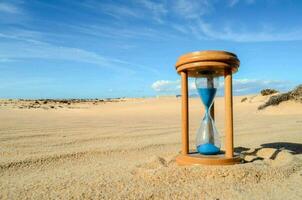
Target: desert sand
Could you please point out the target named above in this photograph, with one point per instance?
(127, 149)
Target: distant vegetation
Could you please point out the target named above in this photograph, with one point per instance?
(244, 99)
(54, 103)
(295, 95)
(268, 92)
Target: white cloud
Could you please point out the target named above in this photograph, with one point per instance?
(240, 86)
(192, 85)
(166, 86)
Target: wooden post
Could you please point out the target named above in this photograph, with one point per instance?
(185, 114)
(229, 148)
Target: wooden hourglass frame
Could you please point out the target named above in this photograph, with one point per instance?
(221, 63)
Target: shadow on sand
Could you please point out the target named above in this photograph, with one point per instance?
(293, 148)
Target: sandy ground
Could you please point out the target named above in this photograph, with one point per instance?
(126, 150)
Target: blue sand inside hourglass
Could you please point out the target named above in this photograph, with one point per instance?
(208, 149)
(207, 96)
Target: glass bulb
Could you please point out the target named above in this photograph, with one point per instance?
(207, 136)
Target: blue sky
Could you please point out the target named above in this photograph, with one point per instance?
(97, 49)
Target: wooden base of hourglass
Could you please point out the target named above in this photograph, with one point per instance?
(198, 159)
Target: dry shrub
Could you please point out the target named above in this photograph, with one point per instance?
(268, 91)
(295, 95)
(244, 99)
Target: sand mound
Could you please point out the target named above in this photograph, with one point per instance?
(154, 163)
(259, 99)
(295, 95)
(206, 180)
(267, 153)
(263, 165)
(275, 156)
(270, 156)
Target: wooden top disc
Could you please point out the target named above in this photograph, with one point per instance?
(200, 61)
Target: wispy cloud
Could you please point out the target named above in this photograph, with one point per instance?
(193, 18)
(240, 86)
(194, 12)
(158, 10)
(29, 46)
(255, 85)
(192, 9)
(31, 83)
(118, 11)
(13, 12)
(32, 48)
(233, 3)
(9, 8)
(21, 35)
(228, 33)
(139, 9)
(119, 32)
(6, 60)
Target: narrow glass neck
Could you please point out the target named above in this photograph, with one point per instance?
(208, 109)
(210, 82)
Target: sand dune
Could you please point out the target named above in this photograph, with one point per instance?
(126, 150)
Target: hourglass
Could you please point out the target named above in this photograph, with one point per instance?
(206, 67)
